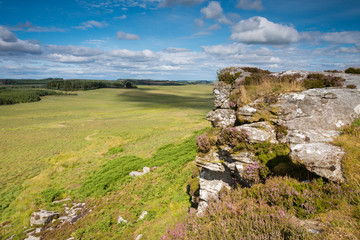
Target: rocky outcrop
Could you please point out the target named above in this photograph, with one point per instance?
(224, 115)
(305, 122)
(42, 217)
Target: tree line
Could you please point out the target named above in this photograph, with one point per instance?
(76, 85)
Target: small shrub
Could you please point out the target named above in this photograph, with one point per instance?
(49, 195)
(255, 70)
(256, 173)
(203, 143)
(115, 150)
(233, 137)
(351, 86)
(280, 131)
(318, 80)
(228, 77)
(353, 70)
(233, 217)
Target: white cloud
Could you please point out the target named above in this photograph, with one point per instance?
(175, 50)
(214, 27)
(10, 44)
(345, 37)
(137, 56)
(77, 51)
(127, 36)
(215, 11)
(120, 17)
(258, 30)
(29, 27)
(250, 5)
(167, 3)
(199, 22)
(91, 24)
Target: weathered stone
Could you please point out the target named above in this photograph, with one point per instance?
(42, 217)
(222, 92)
(120, 220)
(313, 118)
(222, 117)
(137, 174)
(143, 215)
(246, 110)
(259, 132)
(139, 237)
(321, 158)
(210, 185)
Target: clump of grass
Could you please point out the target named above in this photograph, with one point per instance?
(351, 86)
(303, 199)
(318, 80)
(255, 70)
(233, 217)
(51, 194)
(353, 70)
(227, 76)
(265, 85)
(115, 150)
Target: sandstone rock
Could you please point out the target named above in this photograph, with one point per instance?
(323, 159)
(313, 118)
(120, 220)
(259, 132)
(219, 169)
(42, 217)
(222, 117)
(143, 215)
(137, 174)
(246, 110)
(139, 237)
(222, 92)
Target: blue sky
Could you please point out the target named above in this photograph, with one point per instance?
(174, 39)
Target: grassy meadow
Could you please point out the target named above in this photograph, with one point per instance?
(60, 142)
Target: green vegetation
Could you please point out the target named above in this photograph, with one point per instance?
(149, 82)
(12, 96)
(318, 80)
(76, 85)
(353, 70)
(60, 143)
(271, 209)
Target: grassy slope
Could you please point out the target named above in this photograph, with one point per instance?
(57, 142)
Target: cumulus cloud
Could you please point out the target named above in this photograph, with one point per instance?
(127, 36)
(78, 51)
(258, 30)
(9, 43)
(91, 24)
(138, 56)
(215, 11)
(29, 27)
(120, 17)
(175, 50)
(167, 3)
(250, 5)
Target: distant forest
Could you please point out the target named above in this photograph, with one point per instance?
(75, 85)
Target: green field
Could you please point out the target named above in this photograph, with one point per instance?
(58, 142)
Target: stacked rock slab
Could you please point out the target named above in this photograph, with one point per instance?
(313, 119)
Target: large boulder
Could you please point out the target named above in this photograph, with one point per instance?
(222, 92)
(313, 119)
(222, 117)
(42, 217)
